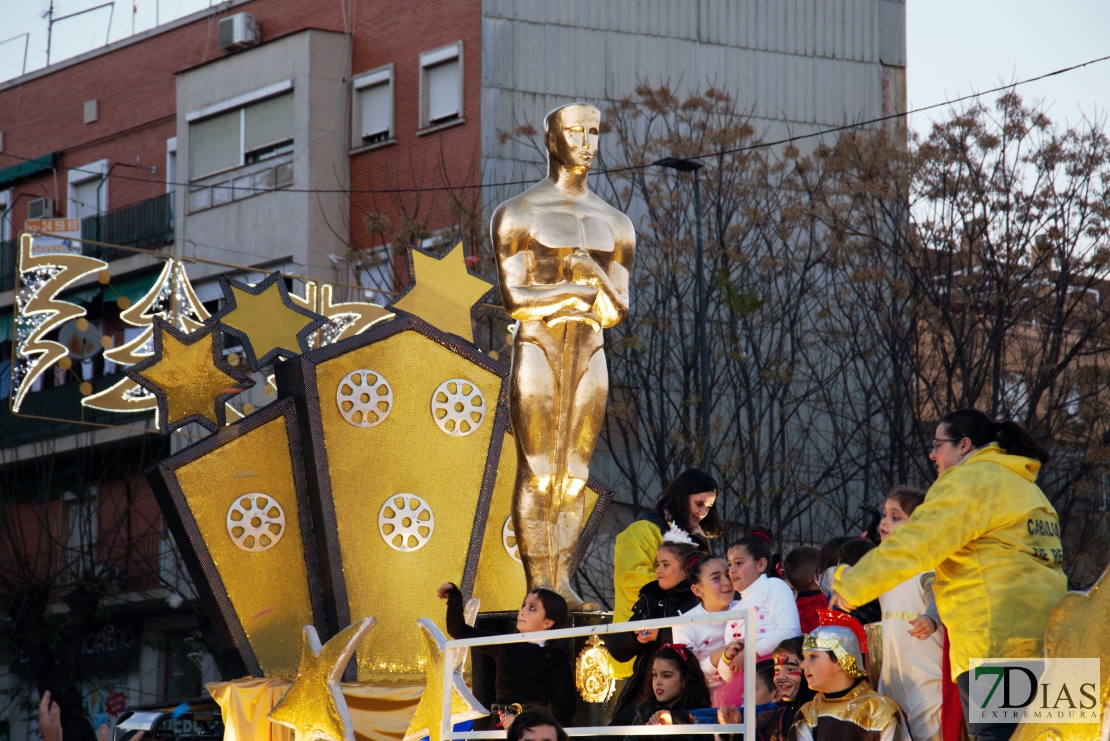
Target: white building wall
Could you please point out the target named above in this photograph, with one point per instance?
(798, 66)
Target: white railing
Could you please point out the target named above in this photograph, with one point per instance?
(747, 728)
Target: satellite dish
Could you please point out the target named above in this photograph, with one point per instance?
(80, 344)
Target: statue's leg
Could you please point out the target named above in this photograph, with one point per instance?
(589, 414)
(531, 405)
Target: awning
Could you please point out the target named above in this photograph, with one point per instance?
(5, 325)
(28, 169)
(134, 289)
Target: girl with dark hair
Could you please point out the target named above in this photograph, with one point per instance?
(677, 686)
(749, 560)
(668, 596)
(532, 675)
(684, 508)
(708, 577)
(993, 538)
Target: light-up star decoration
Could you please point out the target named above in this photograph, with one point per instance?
(429, 713)
(189, 376)
(267, 321)
(442, 291)
(314, 706)
(41, 278)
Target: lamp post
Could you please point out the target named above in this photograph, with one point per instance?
(692, 165)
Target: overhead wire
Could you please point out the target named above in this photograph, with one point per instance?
(609, 171)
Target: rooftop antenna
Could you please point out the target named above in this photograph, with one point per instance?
(51, 20)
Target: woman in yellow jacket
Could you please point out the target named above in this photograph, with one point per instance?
(994, 540)
(686, 504)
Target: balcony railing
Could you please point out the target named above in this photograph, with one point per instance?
(63, 405)
(145, 225)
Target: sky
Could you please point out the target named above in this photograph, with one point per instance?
(955, 47)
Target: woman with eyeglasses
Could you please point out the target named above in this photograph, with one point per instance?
(994, 540)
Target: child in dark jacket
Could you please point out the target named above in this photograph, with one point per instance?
(668, 596)
(528, 674)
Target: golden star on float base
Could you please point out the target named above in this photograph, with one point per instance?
(442, 291)
(429, 713)
(314, 706)
(189, 376)
(266, 320)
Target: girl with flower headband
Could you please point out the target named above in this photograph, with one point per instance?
(749, 560)
(668, 596)
(677, 686)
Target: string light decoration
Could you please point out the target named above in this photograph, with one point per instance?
(172, 299)
(38, 312)
(345, 319)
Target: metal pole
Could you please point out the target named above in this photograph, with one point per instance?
(703, 344)
(445, 725)
(749, 676)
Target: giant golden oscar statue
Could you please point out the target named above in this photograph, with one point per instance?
(563, 257)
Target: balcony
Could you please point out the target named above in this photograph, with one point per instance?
(63, 405)
(146, 225)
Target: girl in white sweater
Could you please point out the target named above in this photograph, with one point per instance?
(749, 560)
(708, 577)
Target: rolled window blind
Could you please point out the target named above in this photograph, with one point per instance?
(268, 122)
(215, 144)
(377, 109)
(444, 91)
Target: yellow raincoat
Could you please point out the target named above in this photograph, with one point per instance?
(633, 567)
(994, 540)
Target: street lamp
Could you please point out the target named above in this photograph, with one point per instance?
(692, 165)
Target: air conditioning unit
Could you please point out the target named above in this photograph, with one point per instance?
(238, 31)
(40, 208)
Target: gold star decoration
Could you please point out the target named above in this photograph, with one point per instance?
(189, 376)
(314, 706)
(429, 713)
(443, 291)
(267, 321)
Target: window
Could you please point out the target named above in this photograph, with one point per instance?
(246, 129)
(373, 107)
(171, 164)
(441, 95)
(87, 190)
(5, 215)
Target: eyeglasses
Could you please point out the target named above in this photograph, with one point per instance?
(938, 441)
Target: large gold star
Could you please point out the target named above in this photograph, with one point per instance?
(189, 376)
(429, 713)
(442, 291)
(314, 706)
(266, 320)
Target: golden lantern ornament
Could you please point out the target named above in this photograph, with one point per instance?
(593, 675)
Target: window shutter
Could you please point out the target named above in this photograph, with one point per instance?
(444, 91)
(215, 144)
(268, 122)
(85, 196)
(376, 104)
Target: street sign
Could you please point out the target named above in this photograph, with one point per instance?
(54, 236)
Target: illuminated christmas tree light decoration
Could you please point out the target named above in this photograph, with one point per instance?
(40, 279)
(171, 298)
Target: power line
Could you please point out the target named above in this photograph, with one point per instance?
(627, 168)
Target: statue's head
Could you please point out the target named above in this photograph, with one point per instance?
(570, 133)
